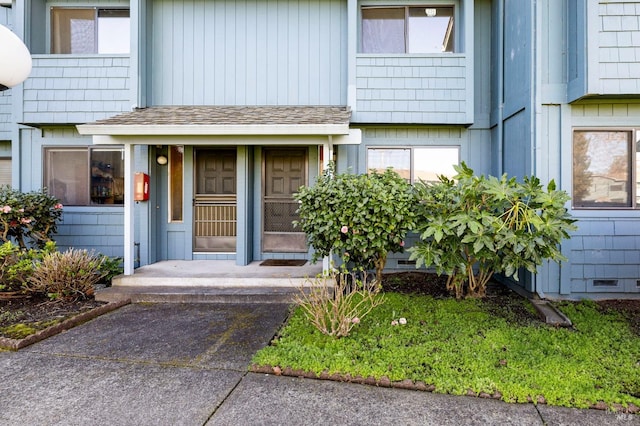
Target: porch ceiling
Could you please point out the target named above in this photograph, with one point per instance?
(224, 121)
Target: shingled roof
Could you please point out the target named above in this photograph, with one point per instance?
(228, 120)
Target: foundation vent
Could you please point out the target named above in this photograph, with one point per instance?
(405, 262)
(605, 283)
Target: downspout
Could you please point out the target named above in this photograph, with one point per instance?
(500, 87)
(536, 117)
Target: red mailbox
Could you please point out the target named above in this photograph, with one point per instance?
(141, 187)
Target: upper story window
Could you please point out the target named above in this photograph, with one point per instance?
(85, 176)
(405, 29)
(89, 30)
(605, 164)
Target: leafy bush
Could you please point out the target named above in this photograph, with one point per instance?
(492, 224)
(335, 309)
(16, 266)
(110, 267)
(65, 276)
(28, 217)
(357, 217)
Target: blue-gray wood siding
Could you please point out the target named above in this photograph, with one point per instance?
(248, 52)
(76, 89)
(97, 228)
(5, 97)
(412, 89)
(606, 39)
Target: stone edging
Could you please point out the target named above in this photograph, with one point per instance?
(409, 384)
(15, 344)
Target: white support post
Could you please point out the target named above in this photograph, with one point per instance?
(129, 252)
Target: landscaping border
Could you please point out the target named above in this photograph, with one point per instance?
(409, 384)
(16, 344)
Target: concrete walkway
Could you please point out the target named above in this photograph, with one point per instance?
(186, 364)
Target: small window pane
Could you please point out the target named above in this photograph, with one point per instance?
(67, 175)
(176, 161)
(383, 30)
(107, 176)
(430, 30)
(379, 159)
(431, 162)
(113, 31)
(601, 169)
(73, 30)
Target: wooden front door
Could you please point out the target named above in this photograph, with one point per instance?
(215, 214)
(285, 170)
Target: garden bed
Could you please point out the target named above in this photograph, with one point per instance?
(26, 320)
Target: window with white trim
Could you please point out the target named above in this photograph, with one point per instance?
(90, 30)
(82, 176)
(605, 164)
(405, 29)
(415, 163)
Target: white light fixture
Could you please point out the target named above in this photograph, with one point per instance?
(15, 59)
(162, 159)
(430, 12)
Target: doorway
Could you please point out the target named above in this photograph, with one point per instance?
(284, 171)
(215, 209)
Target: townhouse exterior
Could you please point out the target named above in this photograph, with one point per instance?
(228, 106)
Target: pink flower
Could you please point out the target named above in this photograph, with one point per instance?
(6, 209)
(57, 206)
(25, 221)
(355, 320)
(394, 322)
(401, 243)
(344, 229)
(21, 210)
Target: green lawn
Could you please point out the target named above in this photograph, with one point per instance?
(459, 346)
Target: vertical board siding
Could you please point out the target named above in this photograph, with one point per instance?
(249, 52)
(408, 89)
(618, 62)
(5, 97)
(72, 89)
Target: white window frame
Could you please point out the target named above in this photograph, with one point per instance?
(412, 156)
(97, 10)
(372, 4)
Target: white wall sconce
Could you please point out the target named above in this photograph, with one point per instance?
(162, 159)
(15, 59)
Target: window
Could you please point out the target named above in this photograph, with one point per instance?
(604, 168)
(89, 30)
(407, 29)
(415, 163)
(5, 171)
(85, 176)
(176, 182)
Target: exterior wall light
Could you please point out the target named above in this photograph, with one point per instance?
(162, 159)
(15, 59)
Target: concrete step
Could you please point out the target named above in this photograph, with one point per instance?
(198, 294)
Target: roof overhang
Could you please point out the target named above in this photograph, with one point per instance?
(224, 121)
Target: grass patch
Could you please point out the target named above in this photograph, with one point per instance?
(459, 346)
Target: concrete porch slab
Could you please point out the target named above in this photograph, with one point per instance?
(211, 281)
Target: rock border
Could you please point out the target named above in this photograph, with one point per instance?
(16, 344)
(409, 384)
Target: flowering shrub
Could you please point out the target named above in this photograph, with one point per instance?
(360, 218)
(28, 218)
(474, 226)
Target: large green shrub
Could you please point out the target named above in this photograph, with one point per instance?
(28, 218)
(473, 226)
(357, 217)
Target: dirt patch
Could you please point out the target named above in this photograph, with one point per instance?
(630, 309)
(19, 315)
